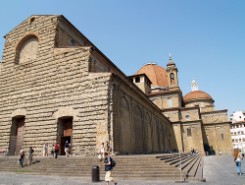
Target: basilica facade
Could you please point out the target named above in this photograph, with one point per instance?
(57, 86)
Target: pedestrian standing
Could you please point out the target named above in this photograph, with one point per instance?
(108, 169)
(108, 146)
(30, 153)
(22, 158)
(52, 151)
(56, 150)
(45, 150)
(102, 151)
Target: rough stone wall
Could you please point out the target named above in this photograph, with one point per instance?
(178, 136)
(218, 139)
(195, 139)
(19, 84)
(199, 103)
(44, 89)
(207, 109)
(173, 115)
(190, 114)
(214, 117)
(166, 101)
(217, 132)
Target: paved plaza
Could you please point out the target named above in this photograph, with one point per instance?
(218, 170)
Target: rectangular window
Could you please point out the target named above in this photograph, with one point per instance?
(170, 102)
(188, 132)
(137, 79)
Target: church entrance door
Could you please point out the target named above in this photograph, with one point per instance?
(64, 133)
(16, 135)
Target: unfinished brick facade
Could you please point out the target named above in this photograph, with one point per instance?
(57, 86)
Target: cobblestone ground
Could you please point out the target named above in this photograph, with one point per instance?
(218, 170)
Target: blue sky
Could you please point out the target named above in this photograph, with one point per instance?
(206, 38)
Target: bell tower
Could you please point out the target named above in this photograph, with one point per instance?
(172, 71)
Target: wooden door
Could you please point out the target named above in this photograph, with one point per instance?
(20, 134)
(16, 136)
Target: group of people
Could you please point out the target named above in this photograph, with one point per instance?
(53, 150)
(104, 155)
(47, 151)
(23, 157)
(193, 151)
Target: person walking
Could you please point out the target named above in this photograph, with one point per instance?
(237, 159)
(108, 169)
(45, 150)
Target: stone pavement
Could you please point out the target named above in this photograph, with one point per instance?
(218, 170)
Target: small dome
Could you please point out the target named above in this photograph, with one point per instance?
(157, 74)
(198, 95)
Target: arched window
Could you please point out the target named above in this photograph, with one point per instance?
(172, 78)
(27, 49)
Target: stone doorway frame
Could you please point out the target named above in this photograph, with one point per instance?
(16, 135)
(64, 132)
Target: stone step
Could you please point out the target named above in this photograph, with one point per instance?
(128, 167)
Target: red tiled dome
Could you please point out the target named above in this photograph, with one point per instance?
(197, 96)
(157, 74)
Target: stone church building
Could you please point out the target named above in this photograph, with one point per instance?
(57, 86)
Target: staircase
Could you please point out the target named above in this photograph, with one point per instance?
(189, 165)
(137, 167)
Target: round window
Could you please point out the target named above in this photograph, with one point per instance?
(187, 116)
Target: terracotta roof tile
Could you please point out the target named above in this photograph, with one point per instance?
(157, 74)
(197, 96)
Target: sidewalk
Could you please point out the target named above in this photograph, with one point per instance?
(218, 170)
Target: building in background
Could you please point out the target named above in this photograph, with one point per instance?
(238, 130)
(57, 86)
(237, 116)
(196, 122)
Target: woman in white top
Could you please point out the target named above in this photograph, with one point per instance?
(102, 150)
